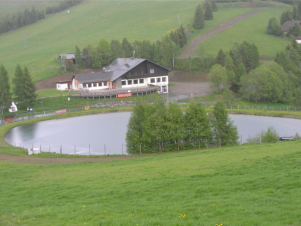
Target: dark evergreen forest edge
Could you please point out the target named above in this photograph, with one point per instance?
(19, 19)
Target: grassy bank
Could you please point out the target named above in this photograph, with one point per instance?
(245, 185)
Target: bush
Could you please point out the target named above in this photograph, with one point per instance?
(269, 136)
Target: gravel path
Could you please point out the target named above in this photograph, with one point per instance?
(198, 40)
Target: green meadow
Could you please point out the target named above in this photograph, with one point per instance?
(90, 21)
(252, 30)
(242, 185)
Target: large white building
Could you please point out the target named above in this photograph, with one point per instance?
(124, 73)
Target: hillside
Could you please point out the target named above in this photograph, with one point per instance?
(252, 30)
(92, 20)
(243, 185)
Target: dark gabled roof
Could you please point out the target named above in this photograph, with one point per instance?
(61, 82)
(94, 77)
(120, 66)
(290, 23)
(116, 69)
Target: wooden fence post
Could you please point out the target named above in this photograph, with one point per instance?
(89, 149)
(105, 150)
(49, 150)
(61, 150)
(75, 150)
(220, 142)
(122, 148)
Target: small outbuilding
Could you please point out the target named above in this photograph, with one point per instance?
(63, 85)
(289, 24)
(69, 57)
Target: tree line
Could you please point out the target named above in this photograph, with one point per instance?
(16, 20)
(65, 4)
(24, 88)
(239, 71)
(160, 51)
(160, 128)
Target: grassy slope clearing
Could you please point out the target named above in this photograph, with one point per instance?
(93, 20)
(246, 185)
(252, 30)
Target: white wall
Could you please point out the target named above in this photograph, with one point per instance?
(97, 87)
(63, 86)
(146, 82)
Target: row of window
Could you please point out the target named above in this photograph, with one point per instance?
(95, 84)
(141, 81)
(151, 71)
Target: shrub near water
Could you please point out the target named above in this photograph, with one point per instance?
(269, 136)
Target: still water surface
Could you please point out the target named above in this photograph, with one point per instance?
(109, 129)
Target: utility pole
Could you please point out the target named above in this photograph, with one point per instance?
(25, 41)
(179, 16)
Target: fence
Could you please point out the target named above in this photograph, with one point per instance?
(66, 149)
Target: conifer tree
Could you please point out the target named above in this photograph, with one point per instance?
(78, 56)
(208, 11)
(18, 84)
(274, 27)
(286, 16)
(29, 89)
(127, 48)
(295, 13)
(221, 58)
(213, 6)
(5, 95)
(182, 36)
(199, 20)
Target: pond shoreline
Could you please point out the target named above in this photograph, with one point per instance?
(16, 150)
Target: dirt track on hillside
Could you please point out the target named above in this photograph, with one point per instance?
(198, 40)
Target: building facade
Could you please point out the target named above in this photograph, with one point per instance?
(124, 73)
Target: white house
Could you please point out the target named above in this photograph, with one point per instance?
(124, 73)
(63, 85)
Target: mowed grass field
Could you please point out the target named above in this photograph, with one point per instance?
(252, 30)
(243, 185)
(90, 21)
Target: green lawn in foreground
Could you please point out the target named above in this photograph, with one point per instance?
(252, 30)
(243, 185)
(90, 21)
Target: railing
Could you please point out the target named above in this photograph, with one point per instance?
(114, 92)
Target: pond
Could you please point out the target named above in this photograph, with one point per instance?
(105, 133)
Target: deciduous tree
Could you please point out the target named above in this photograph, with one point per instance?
(217, 77)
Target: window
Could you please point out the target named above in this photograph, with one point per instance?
(158, 79)
(86, 85)
(89, 84)
(100, 84)
(152, 80)
(152, 71)
(163, 79)
(141, 81)
(105, 84)
(123, 82)
(136, 81)
(129, 82)
(94, 84)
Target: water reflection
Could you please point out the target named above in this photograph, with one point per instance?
(105, 133)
